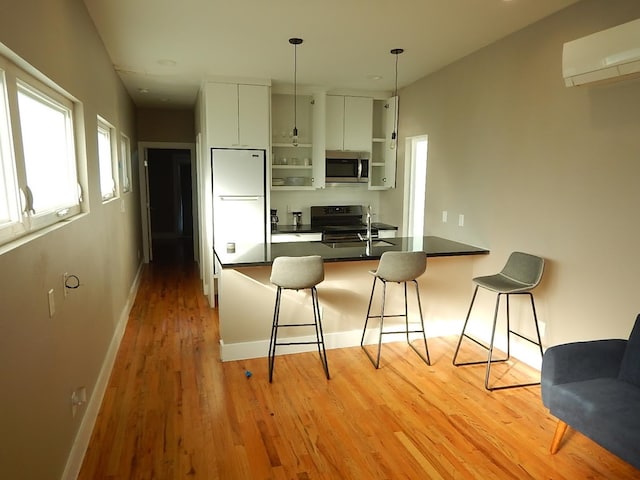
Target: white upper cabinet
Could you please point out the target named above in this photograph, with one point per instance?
(348, 123)
(253, 112)
(319, 142)
(237, 115)
(382, 167)
(334, 133)
(357, 123)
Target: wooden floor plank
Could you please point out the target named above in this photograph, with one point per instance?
(173, 410)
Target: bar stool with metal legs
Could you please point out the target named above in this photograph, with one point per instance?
(297, 273)
(399, 267)
(521, 274)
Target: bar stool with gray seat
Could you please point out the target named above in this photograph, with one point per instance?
(398, 267)
(521, 274)
(297, 273)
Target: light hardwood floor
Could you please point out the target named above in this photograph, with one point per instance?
(172, 410)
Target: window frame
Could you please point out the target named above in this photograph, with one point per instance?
(11, 225)
(19, 78)
(42, 218)
(125, 163)
(104, 126)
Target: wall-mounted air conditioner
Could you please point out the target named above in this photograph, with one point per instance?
(604, 55)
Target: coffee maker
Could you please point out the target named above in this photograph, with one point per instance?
(274, 219)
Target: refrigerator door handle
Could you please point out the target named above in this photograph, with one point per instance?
(240, 198)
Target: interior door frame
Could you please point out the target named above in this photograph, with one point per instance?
(143, 148)
(409, 181)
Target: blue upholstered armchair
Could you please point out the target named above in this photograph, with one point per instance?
(594, 387)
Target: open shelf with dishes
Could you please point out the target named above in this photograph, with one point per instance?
(291, 165)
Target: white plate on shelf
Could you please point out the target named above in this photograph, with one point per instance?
(294, 181)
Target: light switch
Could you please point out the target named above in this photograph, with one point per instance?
(461, 220)
(444, 216)
(52, 304)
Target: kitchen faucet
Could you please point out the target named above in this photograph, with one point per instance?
(368, 237)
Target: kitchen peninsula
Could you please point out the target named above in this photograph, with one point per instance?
(246, 296)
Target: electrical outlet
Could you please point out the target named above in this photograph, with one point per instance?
(78, 399)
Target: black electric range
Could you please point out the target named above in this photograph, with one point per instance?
(340, 223)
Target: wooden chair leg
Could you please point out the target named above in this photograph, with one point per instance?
(557, 437)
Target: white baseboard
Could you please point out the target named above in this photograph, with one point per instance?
(260, 348)
(81, 442)
(351, 338)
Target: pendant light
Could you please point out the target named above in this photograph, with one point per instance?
(295, 42)
(394, 134)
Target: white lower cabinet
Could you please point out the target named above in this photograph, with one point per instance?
(386, 233)
(295, 237)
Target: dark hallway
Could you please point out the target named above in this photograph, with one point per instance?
(170, 205)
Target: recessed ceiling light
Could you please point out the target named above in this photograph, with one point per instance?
(167, 62)
(143, 90)
(374, 77)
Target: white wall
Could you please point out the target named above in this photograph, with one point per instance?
(538, 167)
(42, 359)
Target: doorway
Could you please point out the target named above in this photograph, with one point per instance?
(169, 208)
(416, 182)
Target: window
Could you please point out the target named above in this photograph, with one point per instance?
(38, 166)
(106, 160)
(125, 162)
(48, 150)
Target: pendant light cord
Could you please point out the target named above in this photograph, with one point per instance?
(395, 92)
(394, 135)
(395, 104)
(295, 87)
(295, 42)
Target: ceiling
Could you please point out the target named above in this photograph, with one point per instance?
(164, 49)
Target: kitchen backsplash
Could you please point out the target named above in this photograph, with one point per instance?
(285, 201)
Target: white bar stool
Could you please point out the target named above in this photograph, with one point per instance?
(297, 273)
(399, 267)
(521, 274)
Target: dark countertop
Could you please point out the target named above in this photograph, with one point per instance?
(308, 228)
(247, 255)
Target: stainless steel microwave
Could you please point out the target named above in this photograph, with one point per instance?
(346, 167)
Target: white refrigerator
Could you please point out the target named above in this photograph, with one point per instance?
(239, 204)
